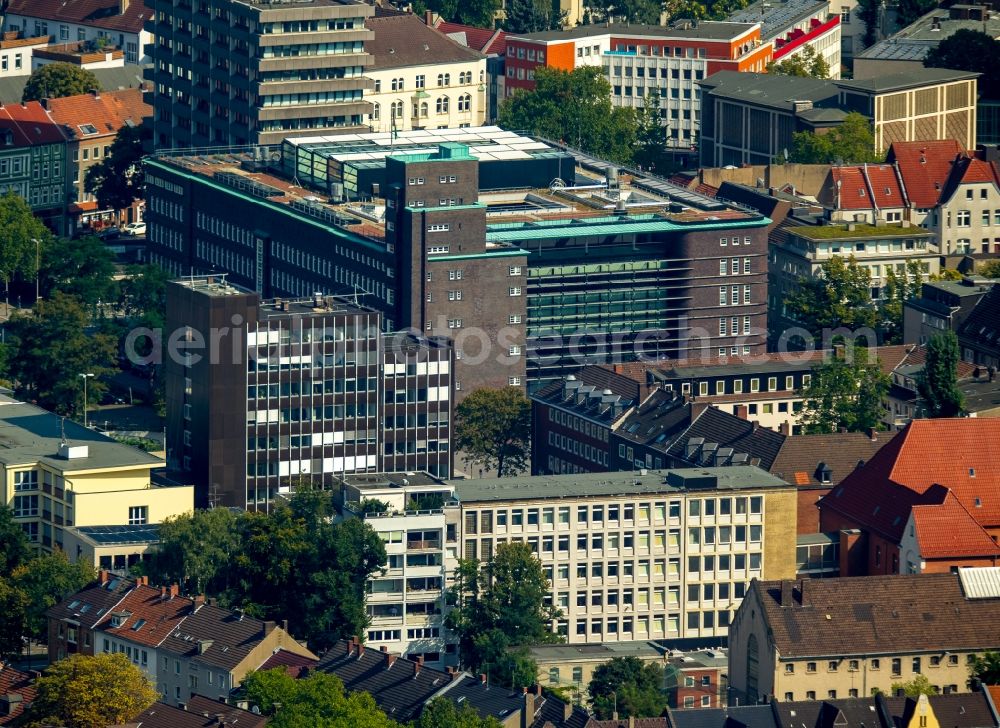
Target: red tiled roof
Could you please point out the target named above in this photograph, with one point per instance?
(15, 682)
(152, 616)
(483, 40)
(96, 13)
(917, 467)
(884, 185)
(994, 691)
(30, 124)
(949, 530)
(867, 186)
(924, 167)
(853, 191)
(108, 111)
(403, 40)
(897, 355)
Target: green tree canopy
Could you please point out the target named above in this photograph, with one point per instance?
(630, 11)
(46, 580)
(499, 606)
(86, 691)
(969, 50)
(83, 269)
(899, 288)
(55, 80)
(20, 228)
(443, 713)
(573, 107)
(651, 137)
(986, 668)
(629, 686)
(142, 295)
(479, 13)
(990, 269)
(850, 143)
(317, 700)
(919, 685)
(807, 64)
(845, 392)
(839, 297)
(938, 382)
(532, 16)
(14, 546)
(118, 179)
(51, 348)
(493, 426)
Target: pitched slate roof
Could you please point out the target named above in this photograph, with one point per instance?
(948, 530)
(626, 391)
(728, 431)
(404, 40)
(484, 40)
(488, 700)
(955, 710)
(95, 13)
(30, 124)
(91, 604)
(107, 111)
(201, 713)
(749, 716)
(877, 615)
(919, 466)
(800, 456)
(828, 713)
(924, 167)
(656, 422)
(14, 682)
(295, 665)
(982, 325)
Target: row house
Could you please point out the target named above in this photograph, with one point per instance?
(33, 161)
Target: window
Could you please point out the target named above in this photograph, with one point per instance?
(138, 515)
(897, 666)
(722, 295)
(963, 218)
(810, 667)
(515, 290)
(790, 669)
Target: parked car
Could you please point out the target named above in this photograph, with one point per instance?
(135, 228)
(109, 233)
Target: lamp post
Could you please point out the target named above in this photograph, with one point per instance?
(85, 377)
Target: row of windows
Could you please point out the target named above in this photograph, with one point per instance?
(584, 450)
(725, 268)
(733, 298)
(732, 328)
(737, 385)
(579, 424)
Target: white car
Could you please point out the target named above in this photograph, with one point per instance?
(135, 228)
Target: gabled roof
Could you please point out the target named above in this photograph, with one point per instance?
(955, 710)
(91, 604)
(657, 420)
(147, 615)
(400, 687)
(748, 716)
(982, 326)
(917, 467)
(585, 392)
(800, 456)
(294, 664)
(968, 170)
(924, 167)
(948, 530)
(14, 682)
(849, 713)
(404, 40)
(29, 124)
(106, 112)
(484, 40)
(761, 444)
(865, 615)
(201, 713)
(94, 13)
(897, 356)
(853, 190)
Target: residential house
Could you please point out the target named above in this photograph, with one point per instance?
(923, 503)
(750, 118)
(903, 365)
(697, 679)
(112, 548)
(491, 43)
(979, 334)
(86, 54)
(183, 645)
(423, 79)
(32, 161)
(119, 22)
(654, 554)
(55, 473)
(200, 712)
(846, 637)
(17, 51)
(91, 122)
(942, 306)
(16, 693)
(571, 667)
(406, 602)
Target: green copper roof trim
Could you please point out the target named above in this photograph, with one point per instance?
(551, 229)
(201, 179)
(473, 206)
(471, 256)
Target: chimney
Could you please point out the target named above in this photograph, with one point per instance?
(429, 18)
(103, 576)
(528, 713)
(482, 678)
(198, 600)
(418, 663)
(873, 434)
(122, 6)
(349, 644)
(741, 411)
(803, 592)
(390, 660)
(786, 593)
(631, 721)
(164, 592)
(269, 626)
(383, 649)
(785, 428)
(44, 103)
(175, 589)
(143, 580)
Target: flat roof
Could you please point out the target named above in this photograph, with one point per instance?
(768, 89)
(837, 232)
(119, 535)
(777, 17)
(905, 79)
(958, 288)
(615, 225)
(914, 41)
(30, 434)
(597, 652)
(583, 485)
(681, 30)
(381, 481)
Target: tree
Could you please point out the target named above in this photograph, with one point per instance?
(55, 80)
(808, 63)
(630, 11)
(83, 269)
(118, 179)
(919, 685)
(20, 228)
(49, 351)
(574, 107)
(899, 288)
(850, 143)
(532, 16)
(845, 392)
(840, 296)
(14, 546)
(990, 269)
(317, 700)
(909, 11)
(938, 382)
(628, 686)
(86, 691)
(947, 274)
(479, 13)
(195, 550)
(969, 50)
(142, 295)
(13, 619)
(45, 581)
(870, 13)
(494, 427)
(443, 713)
(986, 668)
(499, 606)
(651, 136)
